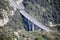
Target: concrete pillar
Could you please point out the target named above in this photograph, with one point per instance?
(32, 27)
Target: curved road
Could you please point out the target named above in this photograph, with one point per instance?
(25, 14)
(5, 20)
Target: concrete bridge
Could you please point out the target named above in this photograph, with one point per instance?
(28, 17)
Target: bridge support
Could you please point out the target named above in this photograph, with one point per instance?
(32, 27)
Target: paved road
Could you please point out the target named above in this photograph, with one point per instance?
(13, 3)
(25, 14)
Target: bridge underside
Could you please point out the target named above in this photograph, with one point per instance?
(29, 26)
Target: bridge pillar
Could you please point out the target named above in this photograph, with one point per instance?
(32, 27)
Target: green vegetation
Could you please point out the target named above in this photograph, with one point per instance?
(5, 33)
(3, 4)
(38, 9)
(38, 36)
